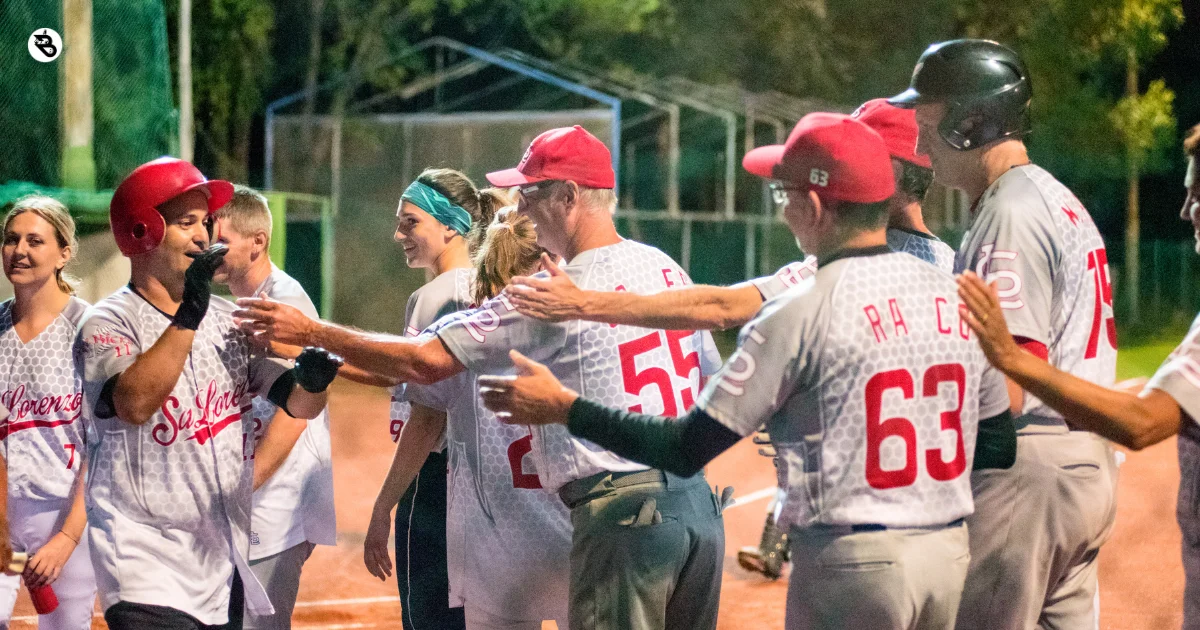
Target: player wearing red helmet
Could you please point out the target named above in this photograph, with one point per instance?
(167, 385)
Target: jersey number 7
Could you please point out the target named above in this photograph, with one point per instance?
(903, 428)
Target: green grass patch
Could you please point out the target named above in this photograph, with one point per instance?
(1142, 360)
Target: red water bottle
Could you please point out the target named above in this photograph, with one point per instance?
(44, 599)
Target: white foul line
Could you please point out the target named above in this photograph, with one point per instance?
(757, 495)
(752, 497)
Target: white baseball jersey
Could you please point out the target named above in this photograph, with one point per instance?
(43, 435)
(1179, 375)
(169, 500)
(639, 369)
(927, 247)
(296, 504)
(509, 541)
(871, 388)
(447, 293)
(1034, 237)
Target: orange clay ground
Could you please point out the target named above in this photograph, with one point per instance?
(1141, 577)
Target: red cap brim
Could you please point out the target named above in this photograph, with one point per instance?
(510, 177)
(763, 160)
(219, 193)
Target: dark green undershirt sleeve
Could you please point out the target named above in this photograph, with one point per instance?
(681, 446)
(996, 444)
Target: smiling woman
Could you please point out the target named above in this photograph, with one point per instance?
(41, 391)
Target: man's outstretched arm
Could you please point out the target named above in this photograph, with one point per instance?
(1132, 420)
(682, 446)
(698, 307)
(415, 360)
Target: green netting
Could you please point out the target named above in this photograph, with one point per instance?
(89, 208)
(133, 111)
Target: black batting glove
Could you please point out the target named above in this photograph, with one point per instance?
(197, 286)
(316, 368)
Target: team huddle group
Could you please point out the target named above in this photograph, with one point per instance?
(941, 440)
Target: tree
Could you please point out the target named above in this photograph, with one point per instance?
(1137, 28)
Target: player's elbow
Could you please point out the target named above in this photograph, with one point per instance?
(430, 363)
(133, 413)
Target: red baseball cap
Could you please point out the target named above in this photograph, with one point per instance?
(833, 154)
(898, 128)
(567, 154)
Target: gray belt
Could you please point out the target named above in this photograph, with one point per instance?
(575, 492)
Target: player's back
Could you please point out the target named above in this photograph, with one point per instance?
(508, 540)
(1034, 237)
(880, 427)
(640, 369)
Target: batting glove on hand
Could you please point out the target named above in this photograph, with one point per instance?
(316, 369)
(197, 286)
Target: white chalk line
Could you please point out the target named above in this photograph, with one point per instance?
(745, 499)
(757, 495)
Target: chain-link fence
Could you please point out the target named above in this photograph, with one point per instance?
(364, 162)
(132, 118)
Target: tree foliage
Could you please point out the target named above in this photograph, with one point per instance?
(845, 51)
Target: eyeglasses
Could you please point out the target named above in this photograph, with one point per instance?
(529, 190)
(779, 193)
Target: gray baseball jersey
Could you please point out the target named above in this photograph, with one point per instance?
(43, 435)
(509, 541)
(634, 368)
(871, 388)
(447, 293)
(296, 504)
(927, 247)
(169, 500)
(1038, 241)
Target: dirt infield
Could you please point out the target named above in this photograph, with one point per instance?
(1141, 576)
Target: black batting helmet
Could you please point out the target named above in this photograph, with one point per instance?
(984, 86)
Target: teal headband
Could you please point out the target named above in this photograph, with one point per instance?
(438, 206)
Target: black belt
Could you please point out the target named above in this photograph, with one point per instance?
(876, 527)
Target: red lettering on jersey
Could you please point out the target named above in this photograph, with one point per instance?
(897, 317)
(105, 339)
(938, 303)
(210, 405)
(620, 287)
(30, 413)
(876, 323)
(667, 278)
(964, 330)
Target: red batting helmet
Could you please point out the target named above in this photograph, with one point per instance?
(137, 225)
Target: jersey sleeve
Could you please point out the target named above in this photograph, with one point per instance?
(1179, 375)
(1016, 247)
(710, 356)
(787, 277)
(436, 395)
(264, 371)
(481, 339)
(766, 368)
(993, 393)
(105, 346)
